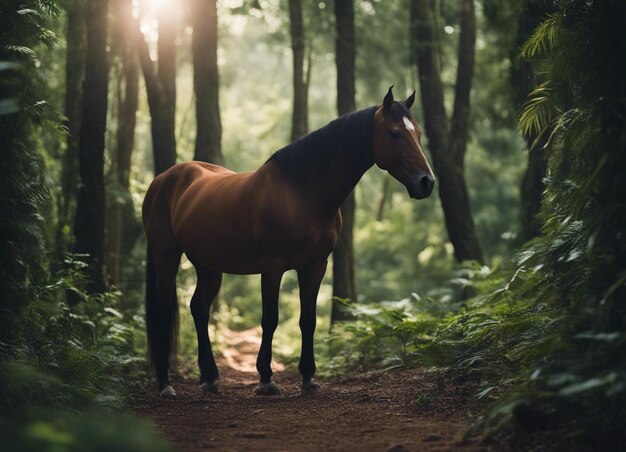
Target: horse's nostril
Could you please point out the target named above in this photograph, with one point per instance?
(426, 184)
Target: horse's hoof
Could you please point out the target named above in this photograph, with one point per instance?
(310, 387)
(210, 387)
(267, 389)
(168, 393)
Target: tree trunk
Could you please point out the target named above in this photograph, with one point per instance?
(90, 209)
(532, 188)
(206, 82)
(343, 256)
(522, 83)
(300, 120)
(74, 76)
(121, 213)
(167, 76)
(447, 144)
(382, 201)
(161, 91)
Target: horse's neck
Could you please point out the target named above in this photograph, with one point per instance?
(332, 186)
(325, 166)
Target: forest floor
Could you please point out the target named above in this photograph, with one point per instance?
(401, 410)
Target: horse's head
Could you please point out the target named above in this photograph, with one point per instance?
(397, 148)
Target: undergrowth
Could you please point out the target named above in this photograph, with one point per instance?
(550, 329)
(66, 375)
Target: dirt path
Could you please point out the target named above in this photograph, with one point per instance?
(401, 410)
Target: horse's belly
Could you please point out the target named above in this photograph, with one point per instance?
(244, 256)
(222, 252)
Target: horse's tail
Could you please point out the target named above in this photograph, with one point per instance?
(161, 321)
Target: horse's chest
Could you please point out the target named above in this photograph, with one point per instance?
(300, 244)
(316, 245)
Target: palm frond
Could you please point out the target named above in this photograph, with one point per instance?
(544, 39)
(539, 111)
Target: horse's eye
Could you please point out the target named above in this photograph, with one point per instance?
(396, 133)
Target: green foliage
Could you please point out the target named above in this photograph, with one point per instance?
(64, 370)
(68, 360)
(552, 328)
(539, 112)
(545, 37)
(22, 191)
(581, 258)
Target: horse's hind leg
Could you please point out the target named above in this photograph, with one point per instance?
(208, 286)
(162, 316)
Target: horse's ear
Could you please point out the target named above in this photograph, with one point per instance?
(388, 101)
(409, 100)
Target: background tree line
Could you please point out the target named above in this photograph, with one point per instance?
(518, 262)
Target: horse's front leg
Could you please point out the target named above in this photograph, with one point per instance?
(309, 279)
(270, 287)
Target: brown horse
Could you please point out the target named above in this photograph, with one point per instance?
(285, 215)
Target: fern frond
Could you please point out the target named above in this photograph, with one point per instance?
(21, 51)
(539, 111)
(544, 38)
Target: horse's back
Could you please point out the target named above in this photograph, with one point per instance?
(172, 183)
(211, 167)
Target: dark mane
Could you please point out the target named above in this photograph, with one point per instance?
(351, 135)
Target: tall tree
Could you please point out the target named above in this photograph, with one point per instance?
(447, 139)
(343, 256)
(89, 225)
(160, 80)
(120, 213)
(300, 116)
(523, 82)
(206, 82)
(74, 76)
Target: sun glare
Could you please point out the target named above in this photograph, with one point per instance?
(147, 11)
(158, 4)
(147, 8)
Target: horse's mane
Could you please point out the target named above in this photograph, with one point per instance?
(351, 134)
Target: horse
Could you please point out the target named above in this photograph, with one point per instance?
(283, 216)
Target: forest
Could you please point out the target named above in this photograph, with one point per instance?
(490, 315)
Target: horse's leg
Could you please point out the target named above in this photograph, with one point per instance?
(270, 287)
(309, 279)
(165, 326)
(208, 286)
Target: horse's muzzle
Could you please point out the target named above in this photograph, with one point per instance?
(420, 186)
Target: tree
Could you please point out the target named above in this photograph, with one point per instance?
(89, 225)
(120, 213)
(74, 76)
(447, 139)
(300, 119)
(343, 256)
(523, 82)
(22, 179)
(160, 80)
(206, 82)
